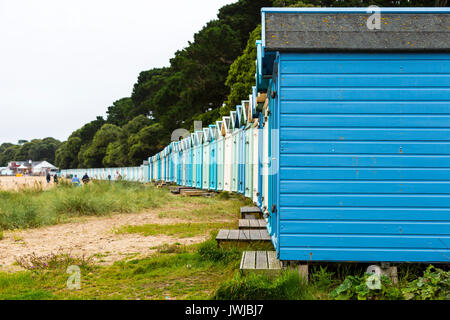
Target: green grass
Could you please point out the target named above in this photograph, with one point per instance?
(180, 230)
(31, 208)
(205, 271)
(190, 274)
(287, 286)
(202, 271)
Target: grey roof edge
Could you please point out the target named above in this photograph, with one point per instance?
(408, 10)
(326, 31)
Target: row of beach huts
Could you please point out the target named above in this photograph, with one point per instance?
(344, 142)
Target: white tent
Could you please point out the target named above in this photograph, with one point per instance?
(43, 167)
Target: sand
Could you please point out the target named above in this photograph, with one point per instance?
(90, 236)
(18, 183)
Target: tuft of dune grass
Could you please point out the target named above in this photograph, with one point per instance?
(35, 207)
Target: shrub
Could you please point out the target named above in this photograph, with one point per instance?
(434, 285)
(53, 261)
(18, 212)
(172, 248)
(322, 278)
(209, 250)
(355, 287)
(225, 195)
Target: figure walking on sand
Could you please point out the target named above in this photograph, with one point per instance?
(85, 178)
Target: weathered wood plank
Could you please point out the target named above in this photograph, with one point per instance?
(233, 235)
(250, 260)
(244, 235)
(241, 266)
(255, 235)
(244, 223)
(265, 235)
(272, 261)
(303, 272)
(222, 234)
(261, 260)
(250, 210)
(253, 223)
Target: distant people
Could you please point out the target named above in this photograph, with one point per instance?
(117, 176)
(55, 178)
(48, 177)
(85, 178)
(76, 181)
(109, 177)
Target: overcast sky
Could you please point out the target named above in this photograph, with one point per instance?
(63, 62)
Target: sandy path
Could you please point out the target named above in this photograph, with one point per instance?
(89, 236)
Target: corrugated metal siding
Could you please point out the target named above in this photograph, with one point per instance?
(364, 157)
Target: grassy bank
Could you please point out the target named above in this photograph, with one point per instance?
(200, 271)
(31, 208)
(193, 272)
(207, 272)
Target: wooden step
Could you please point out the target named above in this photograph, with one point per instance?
(260, 261)
(178, 190)
(248, 224)
(195, 193)
(243, 235)
(251, 213)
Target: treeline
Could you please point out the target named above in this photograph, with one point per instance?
(204, 81)
(37, 149)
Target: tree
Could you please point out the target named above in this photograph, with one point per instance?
(93, 155)
(67, 154)
(241, 76)
(119, 113)
(9, 154)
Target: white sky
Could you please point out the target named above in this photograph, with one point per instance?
(63, 62)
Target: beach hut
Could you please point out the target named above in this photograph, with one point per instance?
(199, 159)
(228, 154)
(360, 166)
(206, 158)
(241, 121)
(189, 162)
(194, 158)
(155, 168)
(175, 162)
(213, 157)
(168, 163)
(249, 149)
(180, 163)
(235, 152)
(164, 164)
(220, 141)
(184, 162)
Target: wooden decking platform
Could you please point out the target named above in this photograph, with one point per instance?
(251, 213)
(249, 224)
(260, 261)
(194, 193)
(243, 235)
(177, 190)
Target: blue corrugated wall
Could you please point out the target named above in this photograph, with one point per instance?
(364, 157)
